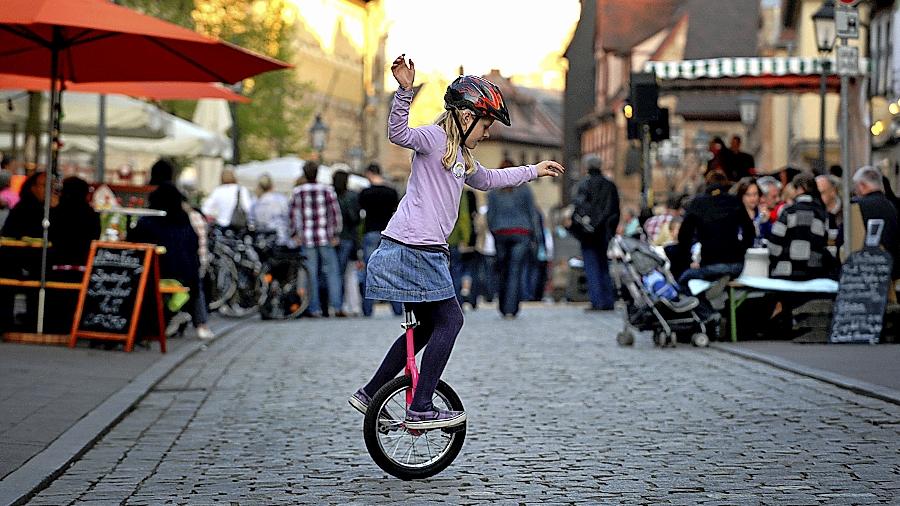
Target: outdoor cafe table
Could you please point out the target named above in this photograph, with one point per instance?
(744, 287)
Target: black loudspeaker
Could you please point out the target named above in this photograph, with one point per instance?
(644, 94)
(659, 128)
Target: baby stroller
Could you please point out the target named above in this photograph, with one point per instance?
(653, 304)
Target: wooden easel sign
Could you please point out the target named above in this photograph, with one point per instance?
(120, 290)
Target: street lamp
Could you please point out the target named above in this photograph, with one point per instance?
(826, 32)
(356, 154)
(318, 133)
(748, 106)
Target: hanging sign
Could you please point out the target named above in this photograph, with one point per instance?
(846, 21)
(847, 61)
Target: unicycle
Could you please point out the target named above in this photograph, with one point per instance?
(410, 454)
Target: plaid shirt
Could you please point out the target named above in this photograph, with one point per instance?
(315, 215)
(198, 223)
(654, 225)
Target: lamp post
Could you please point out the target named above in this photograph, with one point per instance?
(748, 106)
(826, 32)
(318, 133)
(355, 155)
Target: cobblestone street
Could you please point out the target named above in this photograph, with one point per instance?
(558, 413)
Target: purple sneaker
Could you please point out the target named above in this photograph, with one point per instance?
(360, 401)
(434, 419)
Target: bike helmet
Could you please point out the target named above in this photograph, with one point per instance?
(478, 95)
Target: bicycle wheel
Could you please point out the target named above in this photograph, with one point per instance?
(224, 282)
(299, 292)
(247, 296)
(410, 454)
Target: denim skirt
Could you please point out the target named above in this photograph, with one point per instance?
(402, 274)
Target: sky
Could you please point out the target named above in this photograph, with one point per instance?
(519, 37)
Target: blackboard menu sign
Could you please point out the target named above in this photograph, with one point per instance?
(121, 278)
(862, 297)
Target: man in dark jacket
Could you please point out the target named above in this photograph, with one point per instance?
(873, 204)
(378, 203)
(594, 221)
(719, 222)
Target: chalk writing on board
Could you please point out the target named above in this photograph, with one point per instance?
(111, 292)
(862, 297)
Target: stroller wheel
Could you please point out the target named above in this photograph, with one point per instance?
(625, 338)
(700, 340)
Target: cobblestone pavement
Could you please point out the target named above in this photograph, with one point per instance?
(558, 414)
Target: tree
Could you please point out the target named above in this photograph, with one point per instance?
(173, 11)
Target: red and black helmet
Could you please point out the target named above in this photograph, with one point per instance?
(479, 96)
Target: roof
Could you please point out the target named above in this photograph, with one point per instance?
(536, 114)
(716, 31)
(621, 25)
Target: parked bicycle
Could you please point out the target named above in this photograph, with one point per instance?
(236, 271)
(286, 280)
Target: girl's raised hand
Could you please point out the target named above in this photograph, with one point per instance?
(403, 73)
(550, 168)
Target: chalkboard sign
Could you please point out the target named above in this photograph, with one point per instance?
(120, 288)
(862, 297)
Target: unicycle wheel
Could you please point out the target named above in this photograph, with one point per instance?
(410, 454)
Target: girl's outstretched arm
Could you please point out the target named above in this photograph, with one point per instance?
(418, 139)
(484, 179)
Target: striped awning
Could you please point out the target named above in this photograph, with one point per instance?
(715, 68)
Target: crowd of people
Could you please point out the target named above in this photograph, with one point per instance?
(73, 225)
(798, 223)
(499, 250)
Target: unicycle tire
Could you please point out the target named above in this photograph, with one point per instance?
(405, 454)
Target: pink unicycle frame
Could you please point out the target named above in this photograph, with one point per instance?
(411, 370)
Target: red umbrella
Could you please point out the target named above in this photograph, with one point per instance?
(100, 41)
(153, 90)
(91, 40)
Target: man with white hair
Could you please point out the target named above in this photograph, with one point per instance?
(769, 201)
(873, 204)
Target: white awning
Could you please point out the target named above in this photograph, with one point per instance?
(714, 68)
(125, 116)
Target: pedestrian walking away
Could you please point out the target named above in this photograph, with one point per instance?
(594, 221)
(411, 265)
(513, 219)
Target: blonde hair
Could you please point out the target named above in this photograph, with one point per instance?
(454, 142)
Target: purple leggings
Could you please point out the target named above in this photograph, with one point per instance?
(439, 324)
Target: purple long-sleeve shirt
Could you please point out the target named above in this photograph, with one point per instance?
(427, 213)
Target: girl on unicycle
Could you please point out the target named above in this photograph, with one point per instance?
(411, 265)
